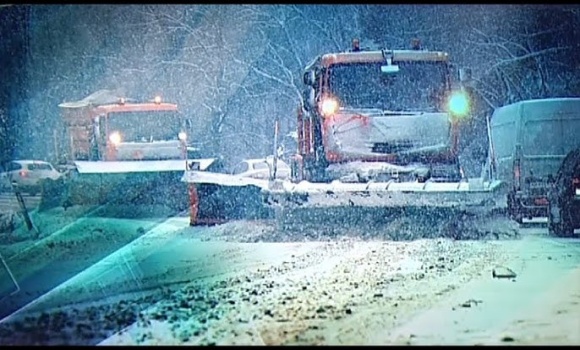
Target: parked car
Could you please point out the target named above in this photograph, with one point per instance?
(261, 168)
(27, 175)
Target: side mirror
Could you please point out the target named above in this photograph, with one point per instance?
(465, 75)
(309, 99)
(309, 78)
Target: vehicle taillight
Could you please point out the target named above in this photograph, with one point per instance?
(23, 173)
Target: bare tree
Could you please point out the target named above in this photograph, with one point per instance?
(292, 35)
(524, 59)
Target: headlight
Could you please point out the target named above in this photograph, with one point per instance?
(459, 104)
(115, 138)
(329, 106)
(182, 136)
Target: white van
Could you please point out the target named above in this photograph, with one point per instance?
(530, 141)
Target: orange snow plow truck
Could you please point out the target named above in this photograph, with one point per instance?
(378, 137)
(119, 151)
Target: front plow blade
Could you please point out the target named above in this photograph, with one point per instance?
(403, 211)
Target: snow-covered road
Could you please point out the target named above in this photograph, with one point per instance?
(212, 285)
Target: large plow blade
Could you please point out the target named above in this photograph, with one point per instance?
(119, 183)
(391, 210)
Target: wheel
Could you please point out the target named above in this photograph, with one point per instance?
(560, 223)
(315, 171)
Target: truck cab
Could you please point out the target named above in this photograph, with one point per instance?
(125, 131)
(377, 108)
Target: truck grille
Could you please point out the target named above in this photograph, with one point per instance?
(392, 147)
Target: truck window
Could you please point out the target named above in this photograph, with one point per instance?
(145, 126)
(416, 87)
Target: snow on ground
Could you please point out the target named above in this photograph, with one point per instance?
(219, 289)
(350, 292)
(554, 319)
(318, 297)
(246, 282)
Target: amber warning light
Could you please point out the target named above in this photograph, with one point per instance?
(355, 45)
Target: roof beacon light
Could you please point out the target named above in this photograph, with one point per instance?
(157, 99)
(415, 44)
(121, 100)
(459, 104)
(355, 45)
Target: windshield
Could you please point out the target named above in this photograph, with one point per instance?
(146, 126)
(417, 86)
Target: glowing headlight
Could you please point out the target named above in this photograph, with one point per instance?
(459, 104)
(115, 138)
(182, 136)
(329, 106)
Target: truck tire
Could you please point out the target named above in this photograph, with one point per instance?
(565, 226)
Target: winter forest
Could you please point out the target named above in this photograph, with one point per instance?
(233, 69)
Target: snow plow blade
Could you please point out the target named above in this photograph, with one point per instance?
(125, 167)
(387, 194)
(224, 197)
(407, 210)
(121, 182)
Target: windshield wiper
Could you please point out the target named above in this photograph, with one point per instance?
(379, 111)
(387, 112)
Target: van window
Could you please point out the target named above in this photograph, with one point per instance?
(503, 138)
(551, 137)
